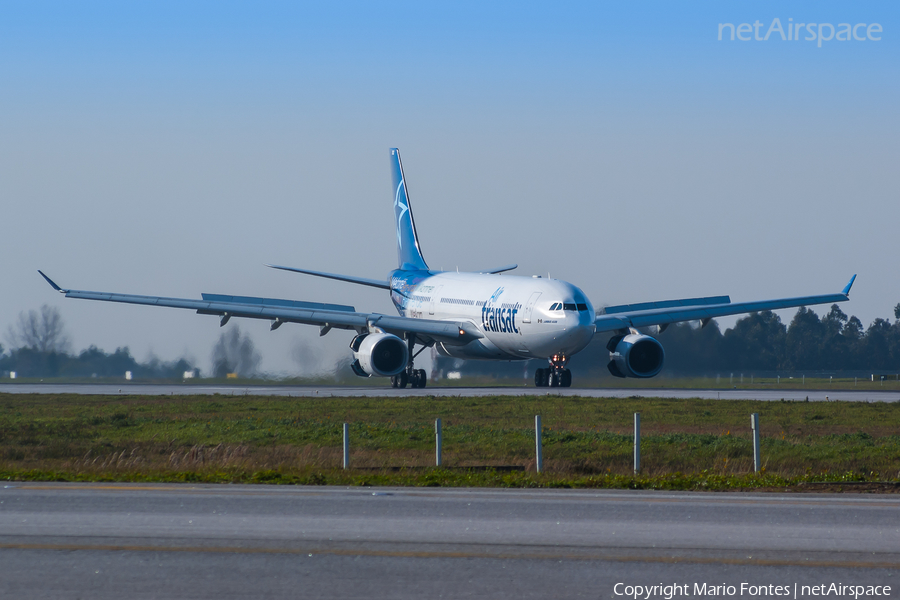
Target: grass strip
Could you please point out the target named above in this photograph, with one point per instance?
(488, 441)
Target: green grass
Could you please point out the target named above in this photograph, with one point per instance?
(686, 444)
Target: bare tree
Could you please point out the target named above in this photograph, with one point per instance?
(234, 353)
(42, 331)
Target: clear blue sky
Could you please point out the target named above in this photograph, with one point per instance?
(172, 148)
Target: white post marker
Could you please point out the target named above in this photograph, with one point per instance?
(438, 439)
(346, 446)
(754, 425)
(539, 464)
(637, 442)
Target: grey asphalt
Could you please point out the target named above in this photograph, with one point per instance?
(227, 541)
(301, 391)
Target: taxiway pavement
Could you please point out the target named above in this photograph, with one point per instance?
(228, 541)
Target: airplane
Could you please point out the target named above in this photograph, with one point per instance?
(485, 315)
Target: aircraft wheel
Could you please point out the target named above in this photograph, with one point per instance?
(554, 378)
(400, 380)
(417, 379)
(423, 378)
(565, 378)
(540, 377)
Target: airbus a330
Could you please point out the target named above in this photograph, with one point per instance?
(483, 316)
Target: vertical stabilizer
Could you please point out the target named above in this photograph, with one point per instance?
(409, 255)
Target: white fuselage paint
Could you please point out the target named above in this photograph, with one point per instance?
(513, 313)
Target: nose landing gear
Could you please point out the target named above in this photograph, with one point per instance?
(557, 375)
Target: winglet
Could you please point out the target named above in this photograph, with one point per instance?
(846, 291)
(50, 281)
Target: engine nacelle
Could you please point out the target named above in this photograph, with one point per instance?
(635, 355)
(379, 354)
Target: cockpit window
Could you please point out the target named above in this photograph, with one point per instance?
(568, 306)
(582, 306)
(556, 306)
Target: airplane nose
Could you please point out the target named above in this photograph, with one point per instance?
(579, 331)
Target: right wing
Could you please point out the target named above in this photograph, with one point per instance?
(676, 311)
(292, 311)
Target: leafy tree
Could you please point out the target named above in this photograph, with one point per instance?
(853, 330)
(692, 349)
(94, 361)
(756, 342)
(804, 341)
(836, 348)
(876, 346)
(834, 321)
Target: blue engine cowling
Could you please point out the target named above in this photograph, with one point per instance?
(635, 355)
(379, 354)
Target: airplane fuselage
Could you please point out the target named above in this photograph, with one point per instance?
(520, 317)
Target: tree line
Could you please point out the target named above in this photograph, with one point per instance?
(40, 347)
(761, 342)
(758, 343)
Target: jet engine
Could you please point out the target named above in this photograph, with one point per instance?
(379, 354)
(635, 355)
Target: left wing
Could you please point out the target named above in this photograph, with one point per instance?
(278, 311)
(645, 317)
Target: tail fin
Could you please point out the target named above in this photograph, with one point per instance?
(409, 255)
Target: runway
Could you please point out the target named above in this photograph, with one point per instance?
(207, 541)
(301, 391)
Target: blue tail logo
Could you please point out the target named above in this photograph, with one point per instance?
(409, 255)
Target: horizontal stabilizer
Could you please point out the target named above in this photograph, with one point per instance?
(378, 283)
(501, 269)
(609, 310)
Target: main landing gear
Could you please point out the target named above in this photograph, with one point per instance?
(557, 375)
(415, 378)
